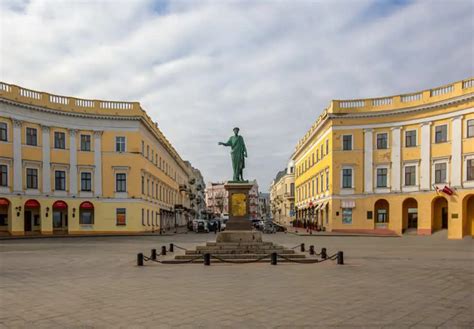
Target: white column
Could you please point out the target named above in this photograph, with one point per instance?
(46, 160)
(456, 144)
(425, 167)
(368, 160)
(72, 162)
(396, 160)
(98, 163)
(17, 173)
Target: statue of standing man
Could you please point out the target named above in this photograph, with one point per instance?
(238, 153)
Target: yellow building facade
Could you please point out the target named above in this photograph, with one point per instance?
(393, 164)
(80, 166)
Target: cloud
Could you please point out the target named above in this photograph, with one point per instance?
(201, 68)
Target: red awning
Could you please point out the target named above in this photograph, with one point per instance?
(4, 202)
(32, 204)
(86, 205)
(60, 205)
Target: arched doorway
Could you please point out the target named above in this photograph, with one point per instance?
(468, 215)
(410, 215)
(60, 220)
(381, 210)
(32, 216)
(439, 213)
(86, 213)
(4, 214)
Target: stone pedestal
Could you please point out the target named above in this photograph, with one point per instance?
(239, 227)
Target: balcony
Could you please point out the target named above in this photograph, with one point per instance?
(289, 196)
(182, 188)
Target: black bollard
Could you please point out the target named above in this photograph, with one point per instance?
(207, 259)
(340, 258)
(324, 255)
(140, 259)
(274, 258)
(153, 254)
(311, 250)
(171, 247)
(163, 250)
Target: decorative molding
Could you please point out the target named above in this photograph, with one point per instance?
(17, 123)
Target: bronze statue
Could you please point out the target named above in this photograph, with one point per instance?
(238, 153)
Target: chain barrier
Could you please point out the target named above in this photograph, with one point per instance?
(175, 245)
(241, 262)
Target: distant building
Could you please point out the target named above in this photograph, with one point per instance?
(196, 191)
(282, 195)
(217, 199)
(253, 201)
(264, 205)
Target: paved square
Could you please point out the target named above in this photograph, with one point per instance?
(408, 282)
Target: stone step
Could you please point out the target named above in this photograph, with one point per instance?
(239, 248)
(239, 256)
(234, 244)
(237, 260)
(239, 251)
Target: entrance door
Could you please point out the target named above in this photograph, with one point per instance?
(444, 217)
(412, 217)
(28, 221)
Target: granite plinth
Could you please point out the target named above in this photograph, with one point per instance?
(238, 224)
(239, 236)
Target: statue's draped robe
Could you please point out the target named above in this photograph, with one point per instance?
(238, 150)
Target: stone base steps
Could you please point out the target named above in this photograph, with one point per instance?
(240, 252)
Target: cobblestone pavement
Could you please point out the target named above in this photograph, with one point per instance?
(408, 282)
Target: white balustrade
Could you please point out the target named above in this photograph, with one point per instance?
(442, 90)
(5, 87)
(116, 105)
(351, 104)
(468, 84)
(84, 103)
(30, 93)
(58, 99)
(382, 101)
(410, 98)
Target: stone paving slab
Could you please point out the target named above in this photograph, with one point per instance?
(410, 282)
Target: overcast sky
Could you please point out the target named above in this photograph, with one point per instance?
(200, 68)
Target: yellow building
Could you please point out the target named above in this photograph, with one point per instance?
(80, 166)
(392, 164)
(282, 196)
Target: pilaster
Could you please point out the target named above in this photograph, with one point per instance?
(46, 159)
(368, 160)
(456, 145)
(425, 168)
(395, 171)
(72, 162)
(17, 171)
(98, 163)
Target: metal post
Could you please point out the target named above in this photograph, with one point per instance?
(274, 258)
(302, 247)
(140, 259)
(324, 255)
(171, 247)
(311, 250)
(207, 259)
(153, 254)
(163, 250)
(340, 258)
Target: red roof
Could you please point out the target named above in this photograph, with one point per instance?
(4, 202)
(60, 205)
(32, 204)
(86, 205)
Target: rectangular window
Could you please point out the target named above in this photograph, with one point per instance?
(470, 169)
(346, 215)
(322, 151)
(3, 175)
(121, 182)
(60, 180)
(85, 142)
(347, 178)
(347, 142)
(327, 146)
(119, 144)
(147, 151)
(86, 181)
(143, 185)
(410, 138)
(441, 134)
(59, 140)
(470, 128)
(3, 132)
(143, 217)
(143, 148)
(410, 175)
(317, 185)
(382, 141)
(148, 217)
(440, 173)
(121, 216)
(31, 136)
(31, 178)
(322, 183)
(327, 180)
(382, 177)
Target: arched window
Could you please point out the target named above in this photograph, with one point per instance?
(86, 213)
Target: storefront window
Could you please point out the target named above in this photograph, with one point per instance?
(346, 215)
